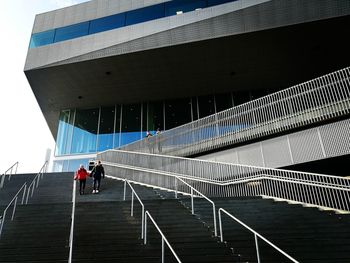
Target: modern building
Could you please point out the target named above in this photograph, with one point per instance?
(106, 71)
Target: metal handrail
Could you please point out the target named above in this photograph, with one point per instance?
(321, 190)
(10, 174)
(309, 102)
(35, 182)
(71, 235)
(14, 200)
(256, 235)
(147, 214)
(133, 192)
(192, 204)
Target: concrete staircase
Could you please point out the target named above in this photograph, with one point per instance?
(105, 231)
(307, 234)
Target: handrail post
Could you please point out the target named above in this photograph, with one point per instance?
(214, 218)
(175, 187)
(142, 222)
(28, 192)
(192, 201)
(220, 226)
(14, 209)
(145, 236)
(257, 248)
(132, 203)
(2, 180)
(33, 189)
(2, 221)
(124, 189)
(24, 193)
(162, 250)
(71, 235)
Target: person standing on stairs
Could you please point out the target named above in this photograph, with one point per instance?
(81, 175)
(97, 173)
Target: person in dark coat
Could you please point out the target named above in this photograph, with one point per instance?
(97, 173)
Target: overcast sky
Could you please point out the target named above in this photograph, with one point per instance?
(24, 134)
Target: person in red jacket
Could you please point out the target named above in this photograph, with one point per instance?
(81, 175)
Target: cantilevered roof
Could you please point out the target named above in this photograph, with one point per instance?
(252, 48)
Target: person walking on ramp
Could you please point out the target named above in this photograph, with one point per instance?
(97, 173)
(81, 175)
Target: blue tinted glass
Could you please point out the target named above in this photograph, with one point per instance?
(42, 38)
(64, 133)
(171, 8)
(57, 166)
(218, 2)
(107, 23)
(144, 14)
(131, 124)
(74, 164)
(73, 31)
(106, 129)
(85, 131)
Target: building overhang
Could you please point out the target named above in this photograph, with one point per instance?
(270, 59)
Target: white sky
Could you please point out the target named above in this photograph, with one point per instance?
(24, 134)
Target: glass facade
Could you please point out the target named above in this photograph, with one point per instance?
(132, 17)
(84, 131)
(87, 131)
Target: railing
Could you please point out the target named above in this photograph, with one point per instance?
(9, 173)
(310, 102)
(14, 202)
(214, 215)
(147, 215)
(192, 203)
(35, 182)
(71, 235)
(256, 235)
(215, 179)
(133, 192)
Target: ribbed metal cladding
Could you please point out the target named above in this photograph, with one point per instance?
(271, 14)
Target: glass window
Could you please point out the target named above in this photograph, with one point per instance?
(65, 166)
(183, 6)
(107, 23)
(206, 106)
(177, 112)
(85, 131)
(75, 163)
(117, 127)
(42, 38)
(64, 133)
(223, 101)
(57, 166)
(240, 98)
(144, 14)
(155, 116)
(144, 127)
(194, 109)
(106, 129)
(72, 31)
(131, 123)
(218, 2)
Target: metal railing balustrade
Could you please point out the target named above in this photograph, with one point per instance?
(9, 172)
(144, 216)
(177, 179)
(28, 191)
(215, 179)
(310, 102)
(14, 203)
